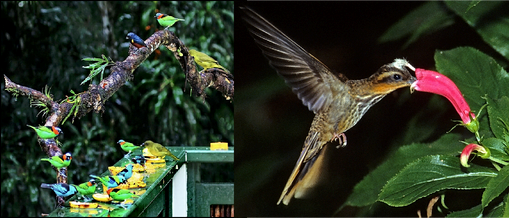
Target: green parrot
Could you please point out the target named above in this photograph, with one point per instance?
(58, 163)
(122, 194)
(205, 61)
(47, 132)
(166, 20)
(158, 150)
(127, 146)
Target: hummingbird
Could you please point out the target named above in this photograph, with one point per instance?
(47, 132)
(338, 103)
(135, 40)
(166, 20)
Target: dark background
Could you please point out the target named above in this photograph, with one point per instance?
(272, 123)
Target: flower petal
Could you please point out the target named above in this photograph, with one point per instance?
(434, 82)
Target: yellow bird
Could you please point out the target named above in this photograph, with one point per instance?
(205, 61)
(158, 150)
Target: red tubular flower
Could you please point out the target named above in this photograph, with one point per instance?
(465, 154)
(434, 82)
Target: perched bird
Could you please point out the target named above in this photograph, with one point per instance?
(127, 172)
(158, 150)
(61, 189)
(86, 188)
(110, 181)
(338, 103)
(205, 61)
(166, 20)
(58, 163)
(122, 194)
(127, 146)
(47, 132)
(135, 40)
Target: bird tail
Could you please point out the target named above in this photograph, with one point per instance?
(94, 176)
(44, 185)
(46, 159)
(33, 127)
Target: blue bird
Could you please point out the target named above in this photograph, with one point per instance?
(127, 172)
(61, 189)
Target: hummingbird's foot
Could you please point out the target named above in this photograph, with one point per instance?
(342, 139)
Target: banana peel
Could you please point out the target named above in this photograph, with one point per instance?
(102, 197)
(77, 204)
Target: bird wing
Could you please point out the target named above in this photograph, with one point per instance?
(309, 78)
(57, 159)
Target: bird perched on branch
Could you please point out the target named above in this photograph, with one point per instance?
(158, 150)
(47, 132)
(205, 61)
(166, 20)
(135, 40)
(338, 103)
(57, 162)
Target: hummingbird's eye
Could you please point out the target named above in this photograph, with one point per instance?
(396, 77)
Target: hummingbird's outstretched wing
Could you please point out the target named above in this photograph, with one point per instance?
(309, 78)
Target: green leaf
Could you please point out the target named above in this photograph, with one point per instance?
(496, 186)
(499, 115)
(426, 19)
(506, 207)
(160, 101)
(366, 191)
(430, 174)
(489, 19)
(472, 212)
(475, 73)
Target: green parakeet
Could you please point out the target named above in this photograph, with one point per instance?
(166, 20)
(58, 163)
(46, 132)
(158, 150)
(205, 61)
